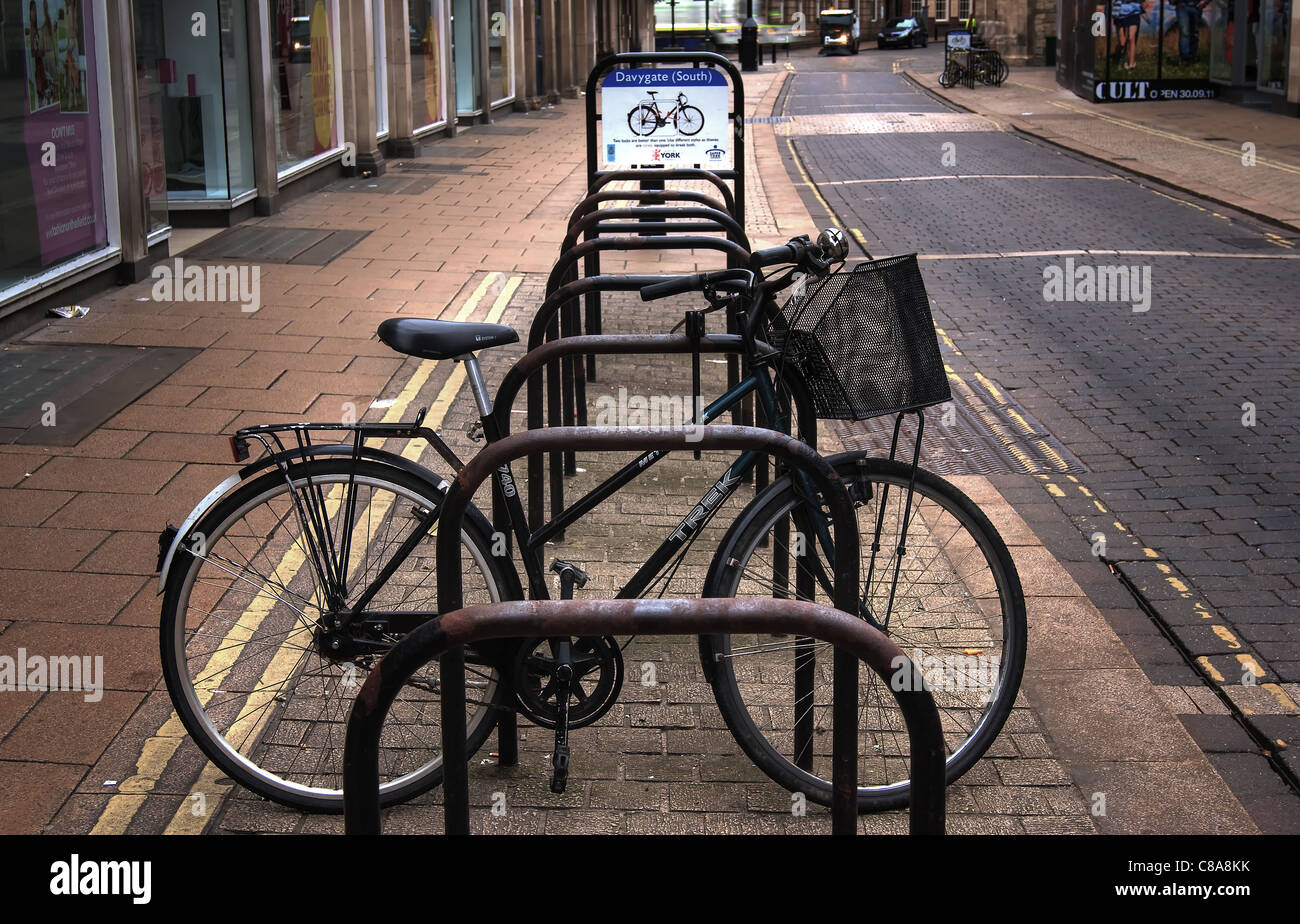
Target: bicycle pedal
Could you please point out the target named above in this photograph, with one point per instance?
(560, 778)
(475, 431)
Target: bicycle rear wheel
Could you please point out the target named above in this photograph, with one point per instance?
(956, 609)
(643, 120)
(257, 675)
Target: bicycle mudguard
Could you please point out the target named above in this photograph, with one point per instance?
(172, 536)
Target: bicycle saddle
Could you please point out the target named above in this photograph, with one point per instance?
(431, 339)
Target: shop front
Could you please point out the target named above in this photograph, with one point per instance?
(1236, 50)
(119, 121)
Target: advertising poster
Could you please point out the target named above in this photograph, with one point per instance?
(322, 78)
(61, 131)
(1152, 50)
(666, 115)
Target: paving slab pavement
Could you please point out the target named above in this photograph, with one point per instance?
(77, 523)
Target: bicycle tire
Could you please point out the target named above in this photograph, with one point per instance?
(697, 120)
(645, 116)
(263, 703)
(751, 679)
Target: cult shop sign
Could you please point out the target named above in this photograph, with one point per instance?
(665, 115)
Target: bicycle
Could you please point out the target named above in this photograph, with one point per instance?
(646, 116)
(296, 574)
(971, 65)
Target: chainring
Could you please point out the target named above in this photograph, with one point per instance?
(598, 679)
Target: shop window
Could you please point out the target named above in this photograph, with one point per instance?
(52, 164)
(195, 113)
(304, 71)
(500, 59)
(427, 81)
(379, 27)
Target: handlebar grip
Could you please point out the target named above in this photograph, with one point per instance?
(678, 286)
(784, 253)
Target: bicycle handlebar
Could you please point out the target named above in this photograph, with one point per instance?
(817, 257)
(696, 282)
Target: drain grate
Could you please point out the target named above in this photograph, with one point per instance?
(983, 432)
(57, 395)
(263, 244)
(766, 120)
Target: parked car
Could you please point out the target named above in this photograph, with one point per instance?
(902, 32)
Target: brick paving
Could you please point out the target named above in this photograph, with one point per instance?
(78, 524)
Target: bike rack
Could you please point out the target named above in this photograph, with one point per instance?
(565, 381)
(524, 372)
(645, 197)
(445, 636)
(546, 329)
(652, 220)
(636, 617)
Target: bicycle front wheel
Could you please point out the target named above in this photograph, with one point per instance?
(951, 601)
(260, 674)
(689, 120)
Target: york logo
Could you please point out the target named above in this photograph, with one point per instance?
(76, 876)
(667, 155)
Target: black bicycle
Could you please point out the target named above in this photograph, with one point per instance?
(293, 578)
(646, 116)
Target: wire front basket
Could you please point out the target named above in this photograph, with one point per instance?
(864, 341)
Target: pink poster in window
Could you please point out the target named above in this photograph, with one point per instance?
(62, 129)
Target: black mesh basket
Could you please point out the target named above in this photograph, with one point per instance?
(864, 341)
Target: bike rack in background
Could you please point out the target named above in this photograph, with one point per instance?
(524, 372)
(596, 178)
(644, 197)
(571, 386)
(679, 219)
(445, 637)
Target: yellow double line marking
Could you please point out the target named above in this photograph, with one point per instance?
(157, 751)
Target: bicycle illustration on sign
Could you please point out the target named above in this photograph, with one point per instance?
(646, 116)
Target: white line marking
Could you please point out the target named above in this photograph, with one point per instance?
(971, 176)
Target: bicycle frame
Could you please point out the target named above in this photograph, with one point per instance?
(532, 543)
